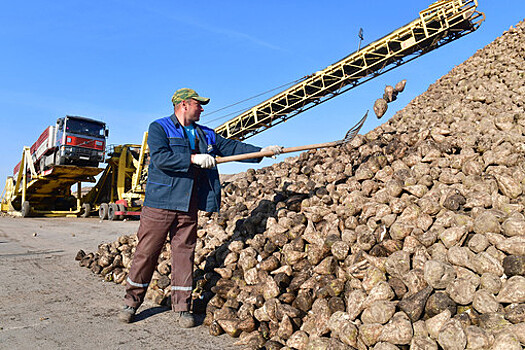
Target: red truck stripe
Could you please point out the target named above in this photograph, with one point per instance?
(43, 137)
(87, 143)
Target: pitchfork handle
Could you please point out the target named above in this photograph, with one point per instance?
(261, 154)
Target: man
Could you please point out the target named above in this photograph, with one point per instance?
(182, 179)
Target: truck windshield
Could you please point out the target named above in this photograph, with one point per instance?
(84, 127)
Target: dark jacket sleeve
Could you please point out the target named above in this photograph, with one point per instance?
(166, 157)
(228, 147)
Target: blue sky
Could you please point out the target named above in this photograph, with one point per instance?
(120, 61)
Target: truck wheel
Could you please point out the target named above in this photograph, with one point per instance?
(86, 210)
(58, 159)
(103, 211)
(26, 209)
(121, 207)
(111, 211)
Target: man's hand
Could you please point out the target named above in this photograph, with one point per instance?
(205, 161)
(275, 149)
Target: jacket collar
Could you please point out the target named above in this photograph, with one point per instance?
(177, 124)
(175, 121)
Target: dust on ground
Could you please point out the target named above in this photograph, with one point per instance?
(47, 301)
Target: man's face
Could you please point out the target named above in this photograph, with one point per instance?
(193, 110)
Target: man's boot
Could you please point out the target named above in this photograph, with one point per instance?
(126, 314)
(186, 319)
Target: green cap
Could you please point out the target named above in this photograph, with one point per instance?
(185, 93)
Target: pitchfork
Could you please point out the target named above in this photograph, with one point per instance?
(350, 135)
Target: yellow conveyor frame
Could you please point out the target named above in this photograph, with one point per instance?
(442, 22)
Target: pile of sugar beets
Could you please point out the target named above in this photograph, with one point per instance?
(410, 237)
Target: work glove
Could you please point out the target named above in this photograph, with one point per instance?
(275, 149)
(205, 161)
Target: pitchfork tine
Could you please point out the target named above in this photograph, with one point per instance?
(353, 132)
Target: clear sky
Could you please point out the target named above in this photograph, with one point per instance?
(120, 61)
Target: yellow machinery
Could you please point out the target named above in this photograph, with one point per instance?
(441, 23)
(120, 190)
(47, 193)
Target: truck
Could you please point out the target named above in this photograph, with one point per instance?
(64, 154)
(73, 140)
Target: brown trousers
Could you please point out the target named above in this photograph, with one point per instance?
(154, 226)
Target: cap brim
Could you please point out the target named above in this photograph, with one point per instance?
(202, 100)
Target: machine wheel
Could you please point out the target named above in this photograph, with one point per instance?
(58, 159)
(121, 207)
(111, 212)
(43, 163)
(26, 209)
(103, 211)
(86, 210)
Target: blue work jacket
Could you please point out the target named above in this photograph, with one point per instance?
(170, 174)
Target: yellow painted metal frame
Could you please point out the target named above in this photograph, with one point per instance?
(5, 203)
(125, 170)
(122, 177)
(439, 24)
(138, 175)
(115, 179)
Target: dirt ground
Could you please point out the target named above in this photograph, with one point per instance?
(47, 301)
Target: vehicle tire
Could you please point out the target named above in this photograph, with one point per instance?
(26, 209)
(42, 164)
(86, 210)
(58, 159)
(103, 211)
(111, 211)
(121, 207)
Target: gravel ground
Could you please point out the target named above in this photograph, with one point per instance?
(47, 301)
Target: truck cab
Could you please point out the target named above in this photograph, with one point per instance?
(80, 141)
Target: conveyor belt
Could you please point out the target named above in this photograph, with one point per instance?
(442, 22)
